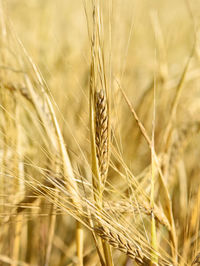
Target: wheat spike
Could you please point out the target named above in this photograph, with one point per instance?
(121, 244)
(126, 207)
(101, 137)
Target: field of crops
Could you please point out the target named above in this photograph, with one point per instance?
(99, 132)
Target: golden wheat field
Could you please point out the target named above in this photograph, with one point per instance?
(99, 132)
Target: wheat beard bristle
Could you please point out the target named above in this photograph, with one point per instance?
(101, 137)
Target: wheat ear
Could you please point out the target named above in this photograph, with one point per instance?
(101, 134)
(122, 244)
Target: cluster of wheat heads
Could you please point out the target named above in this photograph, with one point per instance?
(78, 202)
